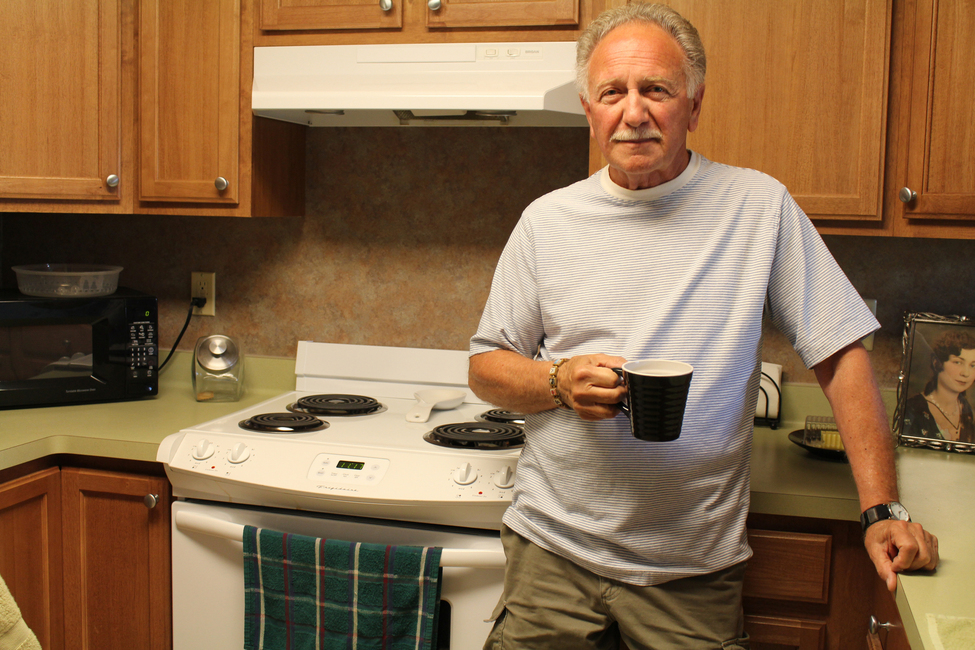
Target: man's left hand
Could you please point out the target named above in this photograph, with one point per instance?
(896, 546)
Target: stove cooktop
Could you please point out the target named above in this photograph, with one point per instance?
(373, 464)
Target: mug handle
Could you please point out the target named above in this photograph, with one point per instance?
(623, 406)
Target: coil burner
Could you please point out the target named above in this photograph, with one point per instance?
(283, 423)
(476, 435)
(502, 416)
(336, 405)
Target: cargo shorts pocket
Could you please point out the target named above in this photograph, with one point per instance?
(495, 640)
(498, 610)
(736, 644)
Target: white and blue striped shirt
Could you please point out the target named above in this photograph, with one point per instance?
(680, 271)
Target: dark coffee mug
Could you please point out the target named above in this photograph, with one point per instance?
(656, 397)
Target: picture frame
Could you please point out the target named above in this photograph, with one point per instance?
(936, 387)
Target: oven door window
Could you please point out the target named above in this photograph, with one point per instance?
(39, 352)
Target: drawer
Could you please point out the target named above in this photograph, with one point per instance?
(777, 632)
(788, 566)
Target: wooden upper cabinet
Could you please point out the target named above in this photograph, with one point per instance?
(189, 96)
(940, 155)
(281, 15)
(60, 113)
(797, 89)
(501, 13)
(325, 15)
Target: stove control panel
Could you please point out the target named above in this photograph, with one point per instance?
(482, 480)
(429, 483)
(339, 468)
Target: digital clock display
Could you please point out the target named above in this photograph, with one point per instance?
(349, 464)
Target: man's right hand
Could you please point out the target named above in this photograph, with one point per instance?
(589, 386)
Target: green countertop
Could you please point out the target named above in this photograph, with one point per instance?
(132, 430)
(937, 487)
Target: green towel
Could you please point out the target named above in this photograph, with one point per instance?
(951, 632)
(14, 633)
(310, 593)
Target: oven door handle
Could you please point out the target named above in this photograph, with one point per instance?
(475, 558)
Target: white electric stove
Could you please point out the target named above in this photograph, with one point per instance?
(340, 459)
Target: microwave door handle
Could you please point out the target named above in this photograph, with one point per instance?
(474, 558)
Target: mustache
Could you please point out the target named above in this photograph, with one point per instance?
(642, 133)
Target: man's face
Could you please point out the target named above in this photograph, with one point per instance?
(638, 109)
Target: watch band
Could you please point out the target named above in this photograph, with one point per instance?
(892, 510)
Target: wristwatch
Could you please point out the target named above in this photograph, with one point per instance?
(892, 510)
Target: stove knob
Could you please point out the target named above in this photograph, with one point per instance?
(505, 478)
(465, 474)
(239, 453)
(203, 450)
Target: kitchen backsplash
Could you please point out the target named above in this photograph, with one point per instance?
(402, 231)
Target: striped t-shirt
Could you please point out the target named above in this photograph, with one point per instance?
(680, 271)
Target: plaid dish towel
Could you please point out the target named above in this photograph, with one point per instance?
(309, 593)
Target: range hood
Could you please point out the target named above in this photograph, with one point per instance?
(438, 84)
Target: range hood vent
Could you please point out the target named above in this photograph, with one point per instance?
(439, 84)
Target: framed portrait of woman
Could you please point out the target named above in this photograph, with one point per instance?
(935, 394)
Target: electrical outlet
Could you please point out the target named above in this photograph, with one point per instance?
(203, 285)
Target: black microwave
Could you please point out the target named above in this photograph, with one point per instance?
(73, 350)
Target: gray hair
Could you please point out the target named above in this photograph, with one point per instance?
(695, 63)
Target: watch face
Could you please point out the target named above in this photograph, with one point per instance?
(898, 511)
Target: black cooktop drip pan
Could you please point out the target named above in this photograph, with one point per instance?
(476, 435)
(336, 405)
(502, 416)
(283, 423)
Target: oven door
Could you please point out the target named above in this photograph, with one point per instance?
(208, 569)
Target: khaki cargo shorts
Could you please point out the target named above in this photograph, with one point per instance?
(549, 602)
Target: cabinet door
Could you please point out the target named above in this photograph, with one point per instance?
(797, 89)
(116, 561)
(279, 15)
(501, 13)
(60, 114)
(189, 92)
(30, 551)
(892, 636)
(941, 149)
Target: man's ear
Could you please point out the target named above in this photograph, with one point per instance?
(697, 100)
(586, 108)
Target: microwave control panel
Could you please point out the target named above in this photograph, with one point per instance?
(142, 349)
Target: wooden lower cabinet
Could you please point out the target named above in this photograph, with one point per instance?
(30, 551)
(891, 636)
(774, 633)
(809, 585)
(116, 559)
(85, 558)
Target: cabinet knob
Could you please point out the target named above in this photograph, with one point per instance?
(385, 5)
(151, 500)
(875, 625)
(112, 180)
(221, 183)
(907, 195)
(433, 4)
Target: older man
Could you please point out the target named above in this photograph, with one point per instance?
(663, 254)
